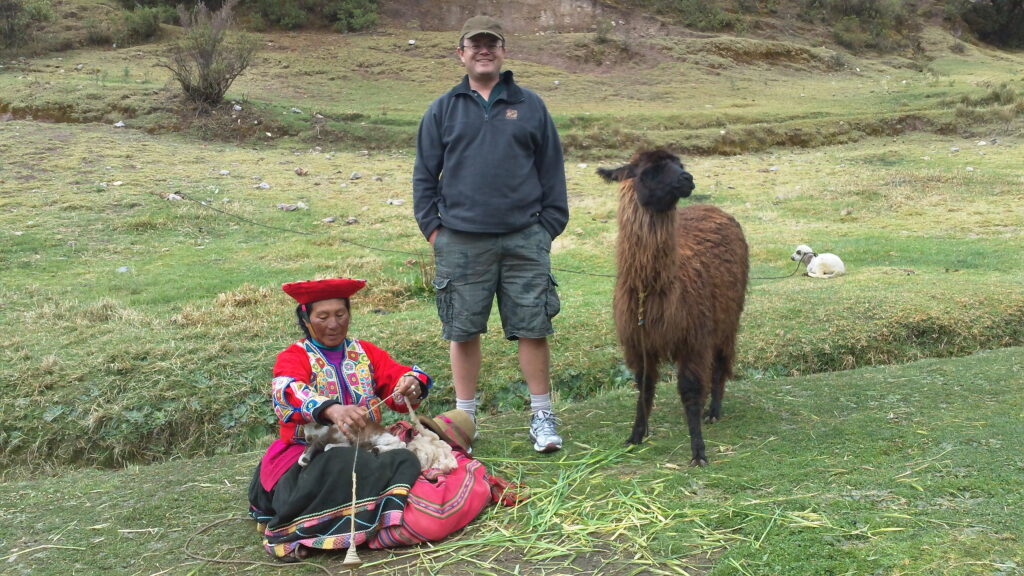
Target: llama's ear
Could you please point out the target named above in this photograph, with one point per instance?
(618, 174)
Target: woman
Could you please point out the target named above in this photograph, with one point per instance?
(330, 378)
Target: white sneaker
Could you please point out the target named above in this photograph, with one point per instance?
(476, 434)
(544, 432)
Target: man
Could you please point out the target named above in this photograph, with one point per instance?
(489, 195)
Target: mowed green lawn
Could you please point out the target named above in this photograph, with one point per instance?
(870, 430)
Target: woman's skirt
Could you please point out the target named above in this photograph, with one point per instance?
(313, 506)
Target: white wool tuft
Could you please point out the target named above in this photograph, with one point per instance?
(431, 451)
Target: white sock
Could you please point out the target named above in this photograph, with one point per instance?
(540, 402)
(467, 406)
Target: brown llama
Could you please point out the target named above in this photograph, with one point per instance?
(679, 290)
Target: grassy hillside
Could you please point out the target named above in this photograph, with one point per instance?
(141, 308)
(609, 91)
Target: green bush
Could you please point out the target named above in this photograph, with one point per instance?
(849, 34)
(883, 25)
(213, 5)
(142, 24)
(18, 19)
(697, 14)
(354, 15)
(287, 14)
(998, 22)
(1002, 94)
(13, 24)
(342, 15)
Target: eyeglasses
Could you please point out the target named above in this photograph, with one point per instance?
(477, 48)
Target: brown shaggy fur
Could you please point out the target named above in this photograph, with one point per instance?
(679, 293)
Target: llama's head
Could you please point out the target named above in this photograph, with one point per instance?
(803, 253)
(658, 178)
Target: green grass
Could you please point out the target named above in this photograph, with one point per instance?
(868, 430)
(910, 469)
(109, 284)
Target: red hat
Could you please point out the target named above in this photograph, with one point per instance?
(311, 291)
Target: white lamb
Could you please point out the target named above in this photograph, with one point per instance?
(321, 438)
(825, 265)
(430, 450)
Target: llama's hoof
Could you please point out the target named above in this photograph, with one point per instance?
(634, 440)
(698, 462)
(712, 419)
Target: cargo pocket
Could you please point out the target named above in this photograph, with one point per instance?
(443, 294)
(552, 305)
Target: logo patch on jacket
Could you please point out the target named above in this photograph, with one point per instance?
(511, 114)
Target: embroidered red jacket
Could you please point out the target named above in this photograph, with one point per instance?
(304, 379)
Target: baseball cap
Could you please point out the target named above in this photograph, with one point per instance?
(483, 25)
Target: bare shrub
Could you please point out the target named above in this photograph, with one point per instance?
(207, 59)
(98, 32)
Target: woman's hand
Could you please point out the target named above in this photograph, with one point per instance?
(349, 419)
(409, 387)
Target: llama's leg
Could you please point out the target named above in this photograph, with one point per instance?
(693, 394)
(645, 382)
(718, 372)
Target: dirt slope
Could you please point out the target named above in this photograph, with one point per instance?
(518, 16)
